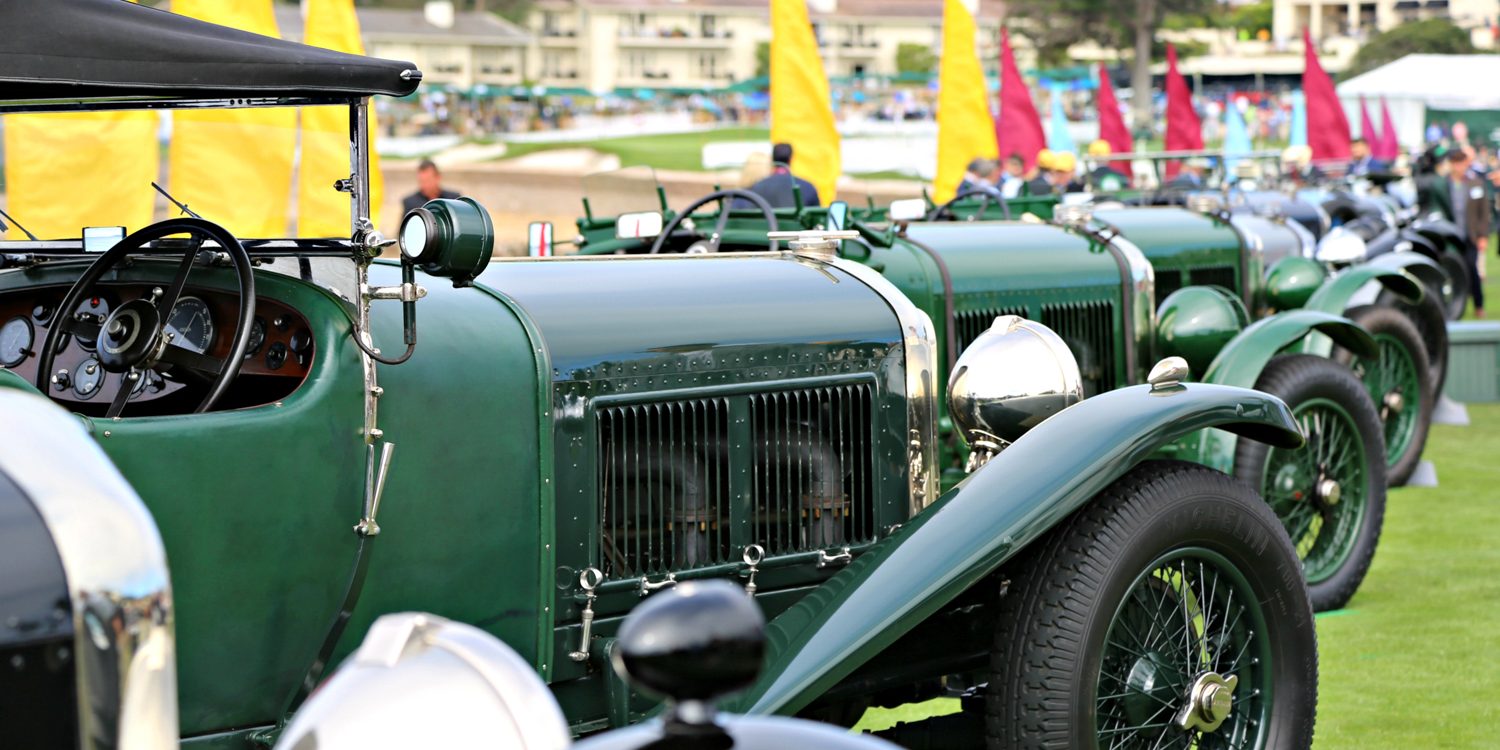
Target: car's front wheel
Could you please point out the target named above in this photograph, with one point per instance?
(1169, 612)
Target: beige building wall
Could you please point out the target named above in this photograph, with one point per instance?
(705, 44)
(1332, 18)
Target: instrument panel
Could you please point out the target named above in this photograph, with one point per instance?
(280, 345)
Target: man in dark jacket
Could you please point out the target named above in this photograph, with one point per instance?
(429, 187)
(1460, 198)
(777, 189)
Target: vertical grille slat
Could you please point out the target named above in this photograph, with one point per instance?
(1088, 329)
(1222, 276)
(664, 474)
(969, 324)
(1167, 281)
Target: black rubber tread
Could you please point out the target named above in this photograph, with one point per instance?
(1391, 322)
(1295, 378)
(1458, 275)
(1432, 324)
(1064, 590)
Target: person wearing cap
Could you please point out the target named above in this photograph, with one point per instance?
(777, 188)
(1104, 178)
(1460, 198)
(1063, 174)
(1040, 184)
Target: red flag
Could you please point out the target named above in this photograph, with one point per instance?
(1390, 146)
(1111, 126)
(1018, 129)
(1367, 126)
(1327, 126)
(1184, 131)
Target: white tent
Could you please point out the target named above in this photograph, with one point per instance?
(1415, 82)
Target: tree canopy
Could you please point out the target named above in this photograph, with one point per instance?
(915, 58)
(1435, 36)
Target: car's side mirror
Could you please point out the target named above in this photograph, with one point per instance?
(539, 239)
(910, 209)
(637, 226)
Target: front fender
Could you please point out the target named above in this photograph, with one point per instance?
(983, 522)
(1338, 293)
(1424, 268)
(1241, 360)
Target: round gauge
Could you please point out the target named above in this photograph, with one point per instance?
(87, 378)
(96, 308)
(15, 342)
(257, 337)
(191, 325)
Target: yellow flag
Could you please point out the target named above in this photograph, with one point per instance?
(234, 167)
(801, 109)
(321, 210)
(67, 171)
(965, 129)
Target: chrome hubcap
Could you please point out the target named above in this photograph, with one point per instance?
(1392, 404)
(1210, 701)
(1329, 492)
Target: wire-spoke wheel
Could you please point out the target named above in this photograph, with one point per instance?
(1431, 325)
(1329, 494)
(1399, 379)
(1167, 613)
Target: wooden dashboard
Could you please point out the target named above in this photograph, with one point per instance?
(280, 346)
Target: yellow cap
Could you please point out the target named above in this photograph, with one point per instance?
(1100, 148)
(1064, 161)
(1044, 159)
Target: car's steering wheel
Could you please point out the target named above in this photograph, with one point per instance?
(986, 194)
(725, 198)
(133, 337)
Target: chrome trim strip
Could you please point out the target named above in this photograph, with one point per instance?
(919, 340)
(116, 567)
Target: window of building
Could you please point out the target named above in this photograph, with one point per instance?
(708, 65)
(709, 26)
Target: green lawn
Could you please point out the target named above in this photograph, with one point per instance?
(1413, 662)
(677, 151)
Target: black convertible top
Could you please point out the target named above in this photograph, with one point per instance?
(89, 49)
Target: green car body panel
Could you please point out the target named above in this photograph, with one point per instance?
(1186, 248)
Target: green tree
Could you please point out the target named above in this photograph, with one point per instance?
(1055, 25)
(1435, 36)
(1252, 17)
(762, 59)
(915, 58)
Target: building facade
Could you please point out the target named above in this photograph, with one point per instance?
(1362, 18)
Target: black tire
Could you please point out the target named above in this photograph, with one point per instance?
(1456, 300)
(1346, 447)
(1070, 593)
(1432, 324)
(1400, 371)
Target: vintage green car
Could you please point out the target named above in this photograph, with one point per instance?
(1274, 264)
(1095, 289)
(576, 434)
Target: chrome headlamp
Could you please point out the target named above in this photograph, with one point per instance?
(1014, 376)
(1340, 245)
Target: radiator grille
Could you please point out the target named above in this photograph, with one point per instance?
(663, 487)
(813, 477)
(1089, 330)
(1223, 276)
(1167, 281)
(968, 324)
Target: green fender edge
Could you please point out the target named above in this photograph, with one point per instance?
(984, 521)
(1243, 359)
(1424, 268)
(1333, 297)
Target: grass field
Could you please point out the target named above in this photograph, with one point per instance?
(1412, 663)
(676, 151)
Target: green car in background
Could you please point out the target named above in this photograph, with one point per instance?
(1269, 263)
(1096, 290)
(320, 434)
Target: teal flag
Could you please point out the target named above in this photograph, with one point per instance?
(1059, 139)
(1236, 136)
(1299, 120)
